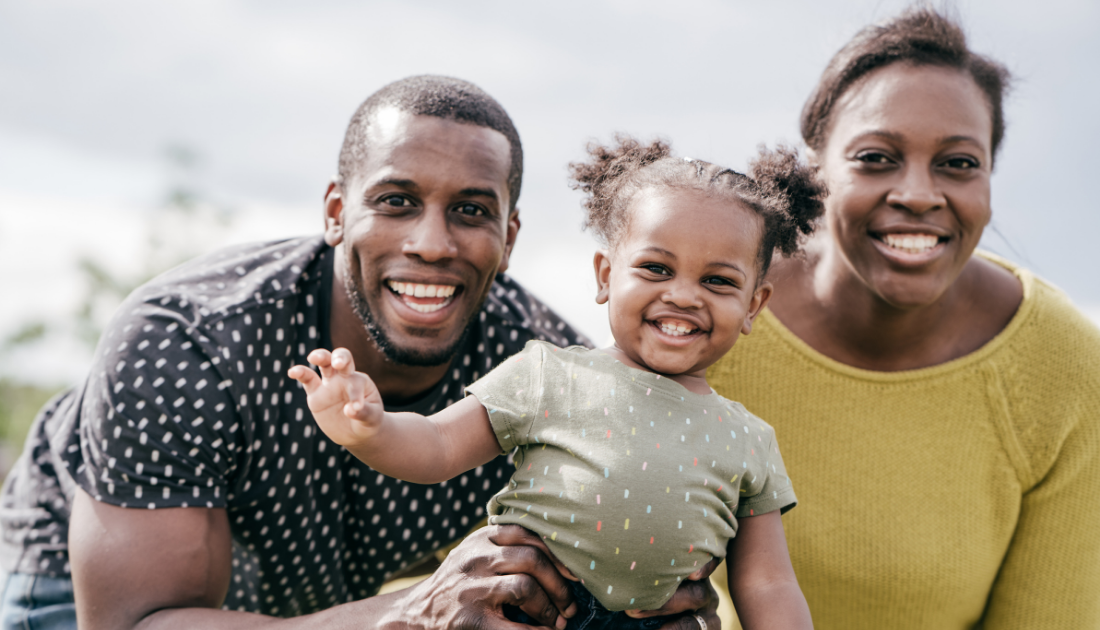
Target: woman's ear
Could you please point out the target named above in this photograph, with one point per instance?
(334, 215)
(812, 157)
(760, 299)
(602, 264)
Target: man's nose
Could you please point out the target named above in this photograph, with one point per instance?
(917, 191)
(430, 237)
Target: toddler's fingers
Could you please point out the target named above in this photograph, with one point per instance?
(342, 361)
(322, 359)
(307, 377)
(356, 410)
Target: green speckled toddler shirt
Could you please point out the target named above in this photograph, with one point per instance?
(633, 481)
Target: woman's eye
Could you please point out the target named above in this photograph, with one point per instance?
(961, 163)
(874, 157)
(472, 210)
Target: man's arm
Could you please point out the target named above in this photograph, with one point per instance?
(170, 568)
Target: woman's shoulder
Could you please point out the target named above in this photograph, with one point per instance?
(1049, 333)
(1048, 374)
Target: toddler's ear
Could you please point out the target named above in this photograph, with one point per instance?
(760, 298)
(602, 263)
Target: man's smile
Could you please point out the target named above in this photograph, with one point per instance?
(423, 298)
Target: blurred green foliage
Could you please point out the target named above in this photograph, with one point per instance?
(181, 226)
(19, 403)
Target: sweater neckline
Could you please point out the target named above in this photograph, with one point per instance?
(1027, 304)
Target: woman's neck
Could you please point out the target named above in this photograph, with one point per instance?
(829, 308)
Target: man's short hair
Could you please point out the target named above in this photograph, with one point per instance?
(432, 95)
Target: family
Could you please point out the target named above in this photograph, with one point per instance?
(273, 431)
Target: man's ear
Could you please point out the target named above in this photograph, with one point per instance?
(760, 298)
(602, 264)
(334, 215)
(512, 230)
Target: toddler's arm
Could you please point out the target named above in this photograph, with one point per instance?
(348, 408)
(762, 584)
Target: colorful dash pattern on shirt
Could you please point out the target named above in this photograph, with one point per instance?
(633, 481)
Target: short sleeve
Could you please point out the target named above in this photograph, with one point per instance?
(766, 486)
(511, 393)
(156, 417)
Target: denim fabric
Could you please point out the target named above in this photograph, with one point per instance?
(37, 602)
(591, 615)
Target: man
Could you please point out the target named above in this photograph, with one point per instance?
(187, 474)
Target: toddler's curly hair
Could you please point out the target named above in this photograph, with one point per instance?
(782, 189)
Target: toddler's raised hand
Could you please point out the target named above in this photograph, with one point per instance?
(345, 403)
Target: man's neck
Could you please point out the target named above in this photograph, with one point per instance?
(398, 384)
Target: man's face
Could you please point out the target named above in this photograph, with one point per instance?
(421, 229)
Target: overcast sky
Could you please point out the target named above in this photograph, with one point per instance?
(93, 93)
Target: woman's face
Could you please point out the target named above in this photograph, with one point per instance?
(907, 161)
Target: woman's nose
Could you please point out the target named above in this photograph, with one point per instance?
(916, 191)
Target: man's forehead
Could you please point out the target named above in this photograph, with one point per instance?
(403, 141)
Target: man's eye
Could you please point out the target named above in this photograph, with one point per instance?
(471, 210)
(396, 201)
(961, 163)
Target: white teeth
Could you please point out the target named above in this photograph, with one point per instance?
(911, 243)
(676, 330)
(422, 290)
(426, 308)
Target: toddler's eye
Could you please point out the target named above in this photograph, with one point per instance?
(718, 281)
(657, 269)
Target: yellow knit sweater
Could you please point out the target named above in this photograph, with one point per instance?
(945, 497)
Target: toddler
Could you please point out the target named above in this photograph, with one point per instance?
(630, 468)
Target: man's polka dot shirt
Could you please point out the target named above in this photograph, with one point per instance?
(188, 405)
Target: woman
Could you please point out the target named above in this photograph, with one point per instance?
(939, 408)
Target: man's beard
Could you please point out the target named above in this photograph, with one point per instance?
(393, 352)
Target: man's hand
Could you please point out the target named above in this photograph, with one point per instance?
(494, 566)
(695, 597)
(345, 403)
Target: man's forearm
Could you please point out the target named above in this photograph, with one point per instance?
(372, 613)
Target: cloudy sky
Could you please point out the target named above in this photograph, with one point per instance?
(93, 93)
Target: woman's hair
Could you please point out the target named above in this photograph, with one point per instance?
(920, 36)
(782, 189)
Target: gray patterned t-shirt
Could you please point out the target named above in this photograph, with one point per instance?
(633, 481)
(188, 404)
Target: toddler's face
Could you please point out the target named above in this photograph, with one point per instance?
(681, 283)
